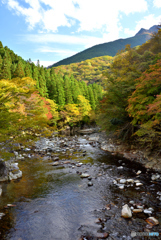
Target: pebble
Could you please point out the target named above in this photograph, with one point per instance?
(136, 181)
(138, 172)
(84, 175)
(152, 221)
(79, 164)
(114, 182)
(0, 191)
(102, 235)
(126, 211)
(155, 177)
(139, 184)
(130, 180)
(139, 206)
(137, 210)
(90, 184)
(121, 186)
(55, 164)
(121, 167)
(147, 211)
(123, 181)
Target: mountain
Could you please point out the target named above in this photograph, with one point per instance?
(109, 48)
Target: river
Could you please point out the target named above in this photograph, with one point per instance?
(56, 203)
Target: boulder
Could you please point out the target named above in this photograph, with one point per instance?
(3, 171)
(108, 147)
(15, 175)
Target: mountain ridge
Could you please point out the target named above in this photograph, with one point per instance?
(109, 48)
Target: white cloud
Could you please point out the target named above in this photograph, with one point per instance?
(91, 14)
(46, 49)
(157, 3)
(60, 38)
(146, 22)
(45, 63)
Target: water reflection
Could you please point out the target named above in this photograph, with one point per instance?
(55, 203)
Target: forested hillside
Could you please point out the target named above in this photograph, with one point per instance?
(109, 48)
(132, 102)
(90, 71)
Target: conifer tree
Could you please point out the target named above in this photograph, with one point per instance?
(41, 85)
(5, 70)
(60, 91)
(75, 90)
(52, 88)
(35, 72)
(1, 64)
(67, 90)
(28, 71)
(19, 72)
(2, 51)
(13, 69)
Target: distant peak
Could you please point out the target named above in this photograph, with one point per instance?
(145, 31)
(142, 31)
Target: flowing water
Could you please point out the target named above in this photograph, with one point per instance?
(55, 203)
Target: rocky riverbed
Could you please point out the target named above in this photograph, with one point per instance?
(71, 189)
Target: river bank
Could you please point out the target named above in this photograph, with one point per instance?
(71, 189)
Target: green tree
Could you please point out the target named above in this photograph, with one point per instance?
(19, 72)
(67, 90)
(28, 70)
(60, 91)
(2, 51)
(5, 70)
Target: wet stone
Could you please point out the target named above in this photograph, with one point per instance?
(84, 175)
(90, 184)
(55, 164)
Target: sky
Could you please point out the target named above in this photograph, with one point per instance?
(51, 30)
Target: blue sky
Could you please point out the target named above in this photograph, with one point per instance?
(51, 30)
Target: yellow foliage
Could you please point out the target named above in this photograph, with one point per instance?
(84, 106)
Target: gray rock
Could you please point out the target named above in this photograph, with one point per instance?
(93, 138)
(3, 171)
(108, 147)
(0, 191)
(15, 175)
